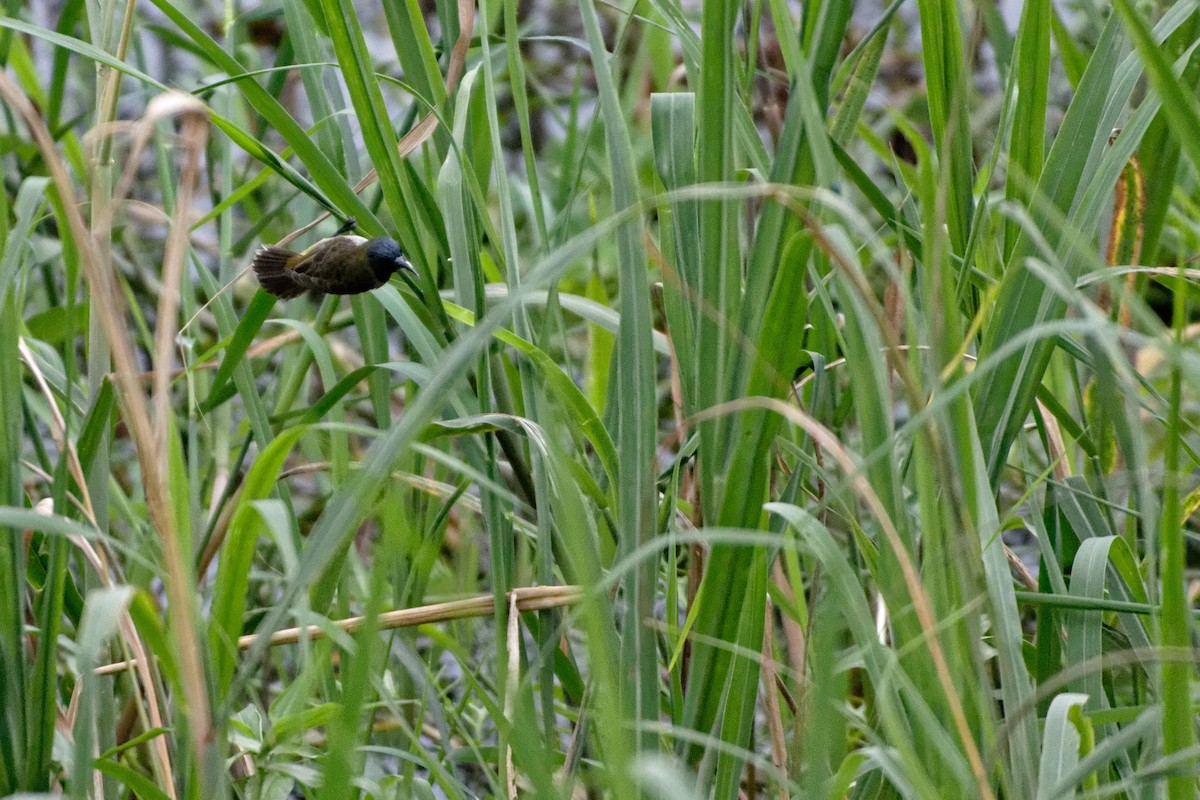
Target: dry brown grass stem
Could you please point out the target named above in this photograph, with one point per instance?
(529, 598)
(771, 708)
(108, 307)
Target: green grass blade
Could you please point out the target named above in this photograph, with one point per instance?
(1006, 392)
(946, 83)
(1029, 81)
(635, 371)
(1062, 747)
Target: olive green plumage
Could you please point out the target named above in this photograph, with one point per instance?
(337, 265)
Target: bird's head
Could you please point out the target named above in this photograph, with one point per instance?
(385, 257)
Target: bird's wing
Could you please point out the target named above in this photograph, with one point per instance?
(316, 258)
(309, 283)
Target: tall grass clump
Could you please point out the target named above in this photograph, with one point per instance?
(792, 400)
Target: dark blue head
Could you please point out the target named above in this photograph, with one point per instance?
(385, 257)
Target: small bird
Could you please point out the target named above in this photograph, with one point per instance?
(337, 265)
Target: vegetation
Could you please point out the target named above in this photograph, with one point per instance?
(739, 375)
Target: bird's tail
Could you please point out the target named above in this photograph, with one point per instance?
(274, 275)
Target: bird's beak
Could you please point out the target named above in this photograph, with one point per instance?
(411, 283)
(402, 263)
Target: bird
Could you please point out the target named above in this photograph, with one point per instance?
(341, 264)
